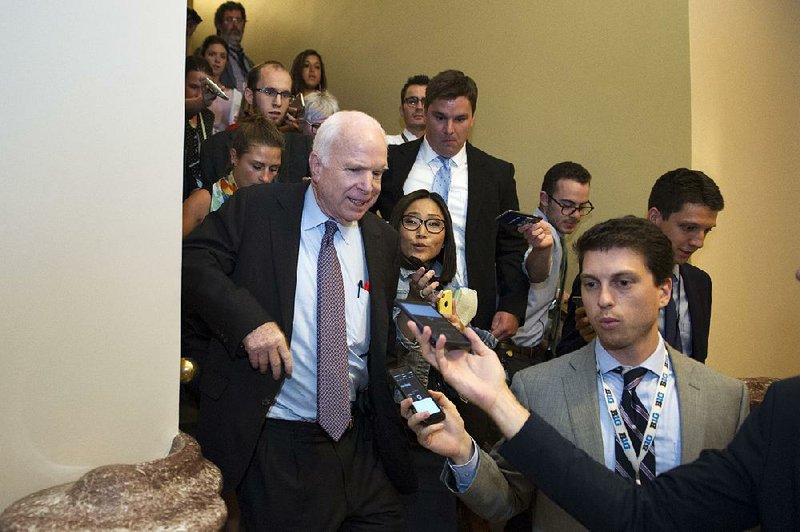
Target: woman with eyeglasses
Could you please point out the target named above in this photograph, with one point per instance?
(215, 50)
(255, 158)
(427, 243)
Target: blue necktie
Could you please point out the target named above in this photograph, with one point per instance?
(333, 386)
(441, 181)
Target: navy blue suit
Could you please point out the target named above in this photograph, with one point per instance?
(754, 480)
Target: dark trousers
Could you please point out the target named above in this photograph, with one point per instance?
(433, 507)
(300, 479)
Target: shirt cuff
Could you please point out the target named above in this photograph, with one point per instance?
(465, 473)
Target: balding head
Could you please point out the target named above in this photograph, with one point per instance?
(347, 162)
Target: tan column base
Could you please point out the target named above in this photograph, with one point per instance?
(178, 492)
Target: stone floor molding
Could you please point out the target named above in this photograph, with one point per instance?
(177, 492)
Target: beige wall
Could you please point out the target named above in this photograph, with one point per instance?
(745, 64)
(608, 84)
(90, 232)
(603, 83)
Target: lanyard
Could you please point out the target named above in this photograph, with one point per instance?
(649, 436)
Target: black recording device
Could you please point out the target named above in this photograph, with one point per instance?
(424, 314)
(409, 387)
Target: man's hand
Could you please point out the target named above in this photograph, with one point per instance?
(267, 348)
(583, 326)
(538, 235)
(448, 438)
(208, 95)
(504, 325)
(478, 377)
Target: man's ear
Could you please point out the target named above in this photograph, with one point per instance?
(654, 215)
(315, 165)
(544, 199)
(248, 95)
(665, 292)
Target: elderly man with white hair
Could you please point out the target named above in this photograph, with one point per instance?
(297, 281)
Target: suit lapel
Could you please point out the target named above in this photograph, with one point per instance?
(285, 240)
(580, 391)
(402, 162)
(693, 406)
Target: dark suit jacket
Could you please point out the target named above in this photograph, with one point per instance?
(493, 254)
(697, 285)
(240, 271)
(756, 479)
(215, 156)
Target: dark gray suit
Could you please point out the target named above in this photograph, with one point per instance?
(240, 271)
(564, 393)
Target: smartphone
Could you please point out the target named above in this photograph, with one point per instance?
(423, 314)
(517, 219)
(578, 300)
(445, 303)
(409, 386)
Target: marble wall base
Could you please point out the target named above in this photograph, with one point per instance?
(178, 492)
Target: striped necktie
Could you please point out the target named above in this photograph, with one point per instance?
(635, 416)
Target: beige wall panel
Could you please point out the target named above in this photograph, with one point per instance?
(90, 268)
(602, 83)
(745, 64)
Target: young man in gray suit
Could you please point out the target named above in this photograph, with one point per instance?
(626, 267)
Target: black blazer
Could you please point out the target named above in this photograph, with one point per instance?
(493, 254)
(755, 480)
(215, 156)
(240, 271)
(697, 285)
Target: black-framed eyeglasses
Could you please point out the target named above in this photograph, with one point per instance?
(568, 208)
(233, 20)
(273, 93)
(433, 225)
(412, 101)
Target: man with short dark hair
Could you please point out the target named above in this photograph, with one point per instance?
(563, 202)
(477, 187)
(627, 399)
(267, 92)
(684, 204)
(751, 482)
(412, 109)
(230, 19)
(298, 280)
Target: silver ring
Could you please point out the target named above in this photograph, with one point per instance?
(422, 294)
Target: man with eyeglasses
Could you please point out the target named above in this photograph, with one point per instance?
(684, 204)
(412, 109)
(563, 202)
(267, 92)
(230, 19)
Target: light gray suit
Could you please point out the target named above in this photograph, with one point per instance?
(564, 393)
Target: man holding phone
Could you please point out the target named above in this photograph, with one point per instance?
(563, 202)
(662, 396)
(684, 204)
